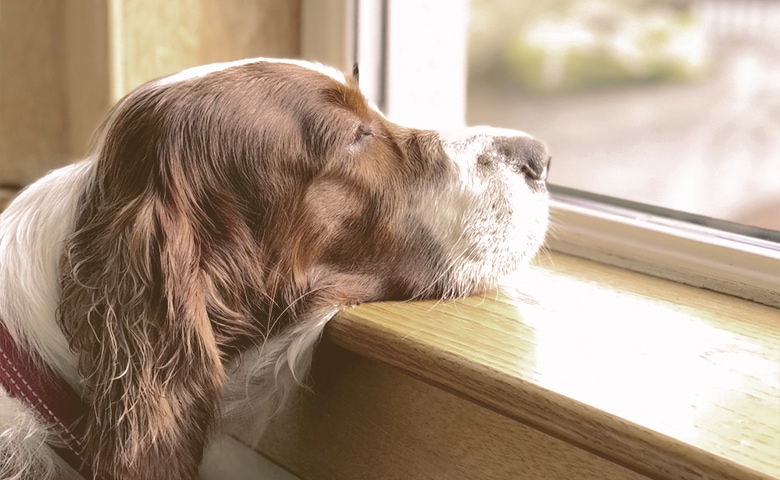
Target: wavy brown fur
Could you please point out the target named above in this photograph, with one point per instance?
(226, 214)
(172, 270)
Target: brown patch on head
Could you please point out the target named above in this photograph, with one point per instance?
(222, 207)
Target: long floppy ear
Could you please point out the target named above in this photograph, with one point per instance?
(133, 305)
(155, 285)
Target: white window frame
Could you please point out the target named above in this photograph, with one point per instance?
(426, 87)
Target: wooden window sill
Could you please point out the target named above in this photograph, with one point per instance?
(659, 379)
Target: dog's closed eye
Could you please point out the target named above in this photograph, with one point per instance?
(363, 132)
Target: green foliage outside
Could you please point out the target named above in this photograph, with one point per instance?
(570, 45)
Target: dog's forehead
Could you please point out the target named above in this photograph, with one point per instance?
(203, 70)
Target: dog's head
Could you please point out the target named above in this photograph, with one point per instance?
(227, 201)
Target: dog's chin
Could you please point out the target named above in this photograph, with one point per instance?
(500, 234)
(482, 266)
(477, 278)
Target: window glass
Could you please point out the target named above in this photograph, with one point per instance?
(674, 103)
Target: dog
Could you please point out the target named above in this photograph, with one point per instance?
(178, 278)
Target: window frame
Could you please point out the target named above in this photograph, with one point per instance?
(590, 226)
(660, 245)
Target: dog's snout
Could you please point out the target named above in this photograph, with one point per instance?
(527, 155)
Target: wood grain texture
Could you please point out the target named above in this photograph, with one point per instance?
(367, 420)
(670, 381)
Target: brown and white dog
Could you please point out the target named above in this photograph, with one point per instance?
(180, 277)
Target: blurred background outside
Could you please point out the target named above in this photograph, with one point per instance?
(674, 103)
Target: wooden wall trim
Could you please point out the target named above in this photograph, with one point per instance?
(366, 420)
(64, 63)
(671, 381)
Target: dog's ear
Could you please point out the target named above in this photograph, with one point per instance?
(155, 285)
(133, 307)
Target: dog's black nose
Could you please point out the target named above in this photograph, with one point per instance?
(526, 155)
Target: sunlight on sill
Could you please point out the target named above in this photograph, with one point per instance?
(679, 362)
(597, 355)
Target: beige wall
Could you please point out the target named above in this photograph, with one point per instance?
(32, 91)
(63, 63)
(156, 38)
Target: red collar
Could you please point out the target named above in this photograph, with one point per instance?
(26, 377)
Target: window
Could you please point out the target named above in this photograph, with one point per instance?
(661, 118)
(669, 103)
